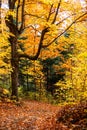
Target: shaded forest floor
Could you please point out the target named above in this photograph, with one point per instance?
(32, 115)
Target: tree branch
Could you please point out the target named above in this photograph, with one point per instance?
(39, 48)
(56, 12)
(11, 4)
(64, 19)
(33, 15)
(31, 26)
(65, 30)
(50, 13)
(22, 16)
(17, 13)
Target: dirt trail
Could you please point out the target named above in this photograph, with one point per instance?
(30, 115)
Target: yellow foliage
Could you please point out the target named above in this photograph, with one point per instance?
(5, 91)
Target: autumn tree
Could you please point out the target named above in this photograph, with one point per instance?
(77, 75)
(33, 27)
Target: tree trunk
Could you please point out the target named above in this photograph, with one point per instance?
(14, 80)
(14, 56)
(15, 68)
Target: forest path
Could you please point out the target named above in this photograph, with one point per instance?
(30, 115)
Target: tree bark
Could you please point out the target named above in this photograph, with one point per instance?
(14, 57)
(15, 70)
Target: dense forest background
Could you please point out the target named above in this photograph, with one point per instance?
(43, 50)
(43, 65)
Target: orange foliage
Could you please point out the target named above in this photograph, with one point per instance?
(28, 115)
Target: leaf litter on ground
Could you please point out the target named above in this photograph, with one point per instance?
(30, 115)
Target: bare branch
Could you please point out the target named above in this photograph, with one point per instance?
(64, 19)
(56, 12)
(33, 15)
(22, 16)
(17, 13)
(50, 12)
(65, 30)
(30, 26)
